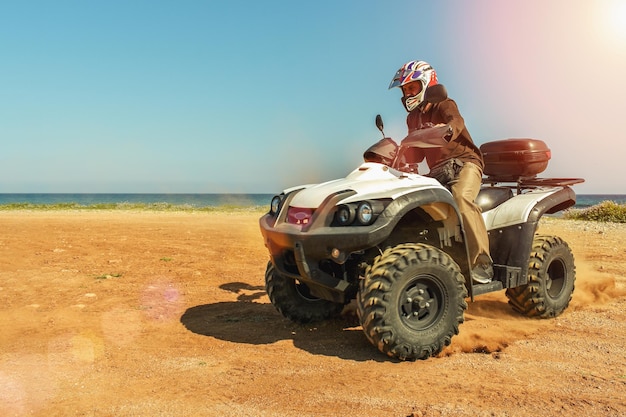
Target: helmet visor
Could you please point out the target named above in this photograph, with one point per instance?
(404, 76)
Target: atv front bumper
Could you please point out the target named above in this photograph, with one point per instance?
(299, 254)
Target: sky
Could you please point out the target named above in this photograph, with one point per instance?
(151, 96)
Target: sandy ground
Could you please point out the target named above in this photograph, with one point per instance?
(164, 314)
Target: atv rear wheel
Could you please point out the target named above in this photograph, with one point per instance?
(551, 277)
(412, 301)
(294, 300)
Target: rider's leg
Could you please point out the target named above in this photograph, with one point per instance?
(465, 191)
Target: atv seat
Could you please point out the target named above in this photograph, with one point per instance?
(491, 197)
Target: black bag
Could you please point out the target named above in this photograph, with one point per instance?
(447, 172)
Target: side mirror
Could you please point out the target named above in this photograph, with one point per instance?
(436, 94)
(379, 124)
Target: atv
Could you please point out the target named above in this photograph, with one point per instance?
(394, 240)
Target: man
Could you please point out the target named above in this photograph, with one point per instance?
(414, 78)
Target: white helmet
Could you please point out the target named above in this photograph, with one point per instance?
(414, 71)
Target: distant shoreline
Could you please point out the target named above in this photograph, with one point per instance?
(132, 201)
(184, 202)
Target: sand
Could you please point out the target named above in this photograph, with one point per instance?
(115, 313)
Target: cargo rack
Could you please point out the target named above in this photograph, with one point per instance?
(530, 183)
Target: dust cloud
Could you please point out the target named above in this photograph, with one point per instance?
(594, 287)
(491, 324)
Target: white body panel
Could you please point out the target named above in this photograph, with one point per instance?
(370, 181)
(516, 210)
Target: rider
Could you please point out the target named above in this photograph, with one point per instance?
(414, 78)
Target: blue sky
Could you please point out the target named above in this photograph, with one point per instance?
(252, 97)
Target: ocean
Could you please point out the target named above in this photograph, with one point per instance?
(588, 200)
(194, 200)
(208, 200)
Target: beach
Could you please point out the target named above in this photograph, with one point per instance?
(142, 313)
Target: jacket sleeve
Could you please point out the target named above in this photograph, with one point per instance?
(451, 116)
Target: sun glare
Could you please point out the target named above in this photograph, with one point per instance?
(615, 15)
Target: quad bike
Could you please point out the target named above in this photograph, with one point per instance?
(394, 240)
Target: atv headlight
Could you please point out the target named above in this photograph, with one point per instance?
(365, 213)
(276, 203)
(345, 214)
(362, 213)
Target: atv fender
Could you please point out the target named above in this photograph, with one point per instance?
(305, 247)
(511, 237)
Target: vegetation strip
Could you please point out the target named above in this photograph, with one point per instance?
(606, 211)
(167, 207)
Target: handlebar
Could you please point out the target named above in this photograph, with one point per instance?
(412, 149)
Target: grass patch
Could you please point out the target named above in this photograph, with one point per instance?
(160, 207)
(107, 276)
(165, 259)
(606, 211)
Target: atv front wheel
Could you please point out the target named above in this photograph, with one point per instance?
(412, 301)
(294, 300)
(551, 276)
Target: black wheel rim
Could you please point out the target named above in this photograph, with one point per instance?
(421, 302)
(556, 279)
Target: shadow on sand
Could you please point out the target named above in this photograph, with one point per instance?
(251, 322)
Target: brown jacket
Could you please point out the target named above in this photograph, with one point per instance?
(461, 145)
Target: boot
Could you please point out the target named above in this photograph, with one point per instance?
(482, 273)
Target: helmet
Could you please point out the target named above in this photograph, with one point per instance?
(414, 71)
